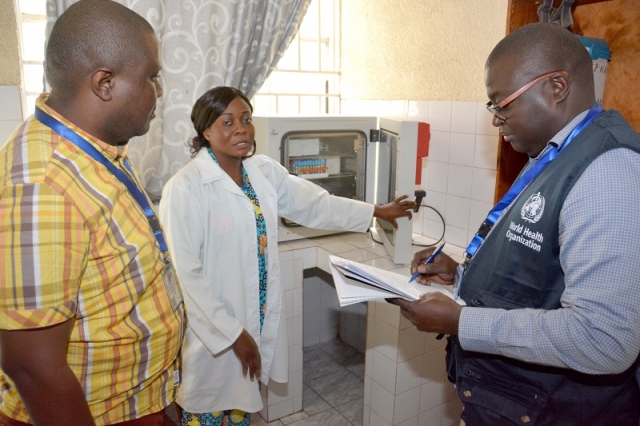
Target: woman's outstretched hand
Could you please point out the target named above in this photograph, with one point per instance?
(391, 211)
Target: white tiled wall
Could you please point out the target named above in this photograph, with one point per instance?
(283, 399)
(324, 319)
(353, 326)
(460, 172)
(321, 311)
(10, 111)
(405, 381)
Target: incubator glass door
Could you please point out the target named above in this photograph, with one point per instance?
(333, 160)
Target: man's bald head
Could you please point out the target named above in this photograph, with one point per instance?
(541, 48)
(90, 35)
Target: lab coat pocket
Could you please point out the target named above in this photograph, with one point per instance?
(492, 400)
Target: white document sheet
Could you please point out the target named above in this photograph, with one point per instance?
(356, 283)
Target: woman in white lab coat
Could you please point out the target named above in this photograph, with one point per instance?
(220, 216)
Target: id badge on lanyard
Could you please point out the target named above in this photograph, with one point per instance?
(457, 280)
(171, 284)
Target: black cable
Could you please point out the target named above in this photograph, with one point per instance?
(373, 239)
(443, 229)
(416, 244)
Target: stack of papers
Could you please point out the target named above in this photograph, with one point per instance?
(356, 283)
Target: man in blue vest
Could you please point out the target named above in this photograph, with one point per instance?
(550, 333)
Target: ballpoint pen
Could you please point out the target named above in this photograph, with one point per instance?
(429, 260)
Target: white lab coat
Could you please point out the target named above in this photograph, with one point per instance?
(210, 227)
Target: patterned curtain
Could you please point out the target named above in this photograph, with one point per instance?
(205, 43)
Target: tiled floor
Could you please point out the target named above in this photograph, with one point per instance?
(333, 388)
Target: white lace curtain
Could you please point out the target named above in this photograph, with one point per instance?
(205, 43)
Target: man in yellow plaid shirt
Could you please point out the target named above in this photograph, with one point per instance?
(91, 317)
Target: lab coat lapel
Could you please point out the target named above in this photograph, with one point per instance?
(211, 172)
(258, 177)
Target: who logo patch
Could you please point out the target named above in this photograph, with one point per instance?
(533, 208)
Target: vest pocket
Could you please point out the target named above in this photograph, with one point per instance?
(450, 360)
(495, 401)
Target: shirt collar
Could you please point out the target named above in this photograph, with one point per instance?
(108, 150)
(560, 137)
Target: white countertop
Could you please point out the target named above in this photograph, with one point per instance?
(360, 247)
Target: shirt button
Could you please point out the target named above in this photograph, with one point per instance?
(525, 419)
(466, 394)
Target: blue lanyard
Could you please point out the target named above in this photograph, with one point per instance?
(524, 180)
(133, 188)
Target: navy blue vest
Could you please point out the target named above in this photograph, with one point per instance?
(517, 267)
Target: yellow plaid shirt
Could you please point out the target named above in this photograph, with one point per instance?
(75, 244)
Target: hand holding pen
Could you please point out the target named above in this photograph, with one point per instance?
(429, 260)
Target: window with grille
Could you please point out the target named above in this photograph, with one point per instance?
(307, 78)
(32, 30)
